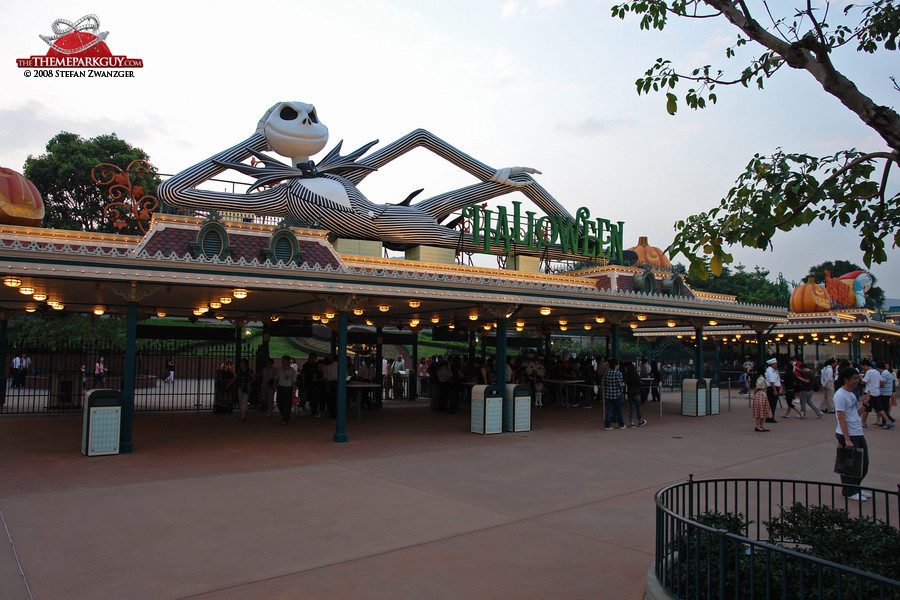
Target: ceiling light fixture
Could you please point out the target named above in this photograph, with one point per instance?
(40, 297)
(239, 293)
(12, 282)
(415, 303)
(545, 310)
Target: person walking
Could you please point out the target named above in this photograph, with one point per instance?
(773, 386)
(760, 407)
(634, 394)
(285, 385)
(805, 384)
(826, 378)
(170, 370)
(99, 373)
(242, 380)
(849, 432)
(613, 383)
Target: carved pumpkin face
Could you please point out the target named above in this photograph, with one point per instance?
(293, 130)
(810, 297)
(20, 202)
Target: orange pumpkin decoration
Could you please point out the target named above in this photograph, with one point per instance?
(20, 202)
(810, 297)
(650, 255)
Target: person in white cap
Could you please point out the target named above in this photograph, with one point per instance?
(773, 386)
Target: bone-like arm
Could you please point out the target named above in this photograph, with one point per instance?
(496, 182)
(180, 190)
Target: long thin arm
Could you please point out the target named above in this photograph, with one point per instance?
(180, 190)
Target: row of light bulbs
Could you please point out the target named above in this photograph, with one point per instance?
(236, 294)
(27, 290)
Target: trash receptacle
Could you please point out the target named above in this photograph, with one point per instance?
(66, 390)
(712, 397)
(102, 422)
(487, 409)
(517, 408)
(693, 397)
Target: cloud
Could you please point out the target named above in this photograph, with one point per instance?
(591, 127)
(537, 9)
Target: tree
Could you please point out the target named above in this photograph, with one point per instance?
(786, 190)
(72, 199)
(751, 287)
(875, 295)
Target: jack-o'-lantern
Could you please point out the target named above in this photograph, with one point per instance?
(810, 297)
(650, 255)
(20, 202)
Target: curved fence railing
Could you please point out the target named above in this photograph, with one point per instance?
(722, 538)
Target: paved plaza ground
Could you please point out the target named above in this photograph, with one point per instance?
(414, 506)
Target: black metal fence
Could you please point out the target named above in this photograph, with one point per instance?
(694, 560)
(56, 379)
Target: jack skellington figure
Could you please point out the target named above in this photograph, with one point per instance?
(326, 192)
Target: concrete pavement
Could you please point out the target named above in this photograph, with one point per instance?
(414, 506)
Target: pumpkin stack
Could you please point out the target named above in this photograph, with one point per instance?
(810, 297)
(20, 202)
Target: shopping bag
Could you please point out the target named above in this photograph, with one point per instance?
(849, 462)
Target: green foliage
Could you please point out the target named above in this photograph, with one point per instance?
(752, 287)
(63, 177)
(786, 190)
(747, 571)
(832, 534)
(52, 331)
(875, 295)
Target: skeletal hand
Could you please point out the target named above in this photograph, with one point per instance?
(503, 176)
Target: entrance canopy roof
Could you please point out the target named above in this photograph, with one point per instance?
(257, 272)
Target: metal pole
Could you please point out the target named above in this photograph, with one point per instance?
(126, 446)
(340, 434)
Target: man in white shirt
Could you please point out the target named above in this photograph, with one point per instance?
(849, 432)
(826, 378)
(773, 386)
(872, 379)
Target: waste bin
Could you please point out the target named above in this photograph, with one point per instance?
(66, 390)
(693, 397)
(223, 399)
(102, 422)
(517, 408)
(712, 397)
(487, 409)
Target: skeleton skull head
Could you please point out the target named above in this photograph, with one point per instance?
(293, 129)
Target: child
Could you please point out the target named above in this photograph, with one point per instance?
(538, 392)
(761, 408)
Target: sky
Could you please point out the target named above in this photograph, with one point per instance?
(547, 84)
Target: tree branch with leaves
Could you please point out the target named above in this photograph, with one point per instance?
(787, 190)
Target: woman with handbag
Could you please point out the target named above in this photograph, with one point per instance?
(849, 431)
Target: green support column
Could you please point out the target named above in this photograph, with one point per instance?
(761, 349)
(414, 368)
(238, 342)
(716, 368)
(379, 374)
(3, 361)
(340, 435)
(501, 362)
(698, 332)
(615, 341)
(126, 446)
